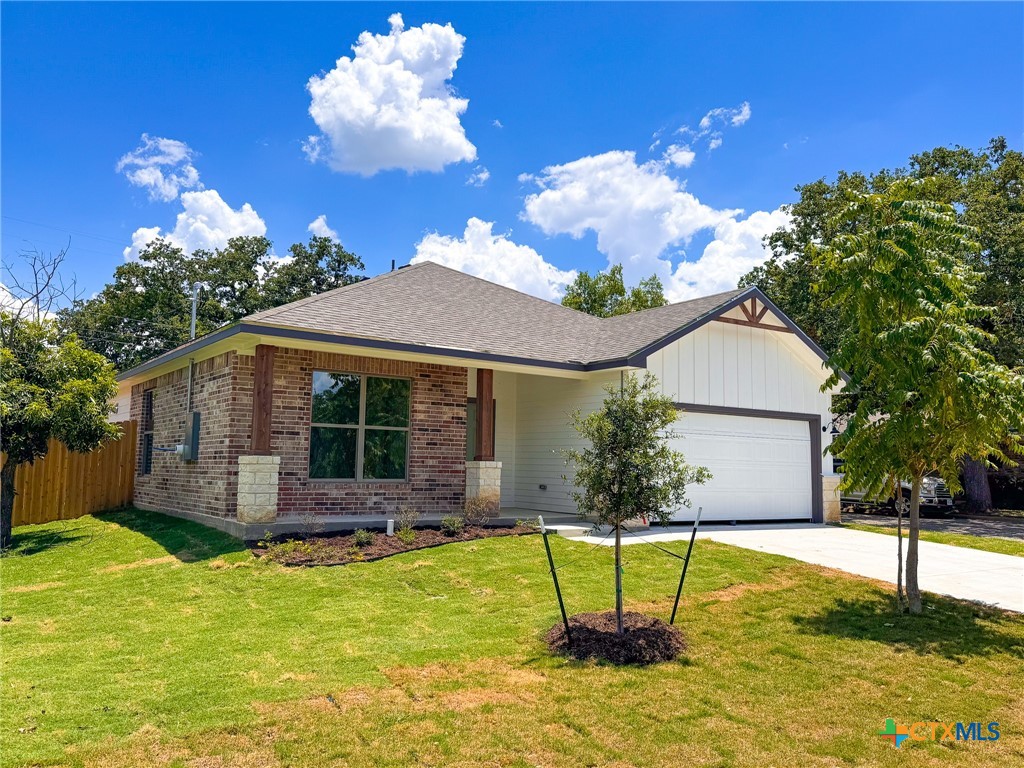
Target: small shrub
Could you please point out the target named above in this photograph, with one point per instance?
(296, 551)
(480, 509)
(355, 554)
(406, 535)
(310, 524)
(452, 525)
(362, 537)
(406, 518)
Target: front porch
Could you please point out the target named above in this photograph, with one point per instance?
(498, 441)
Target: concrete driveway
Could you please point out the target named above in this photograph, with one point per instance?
(968, 574)
(992, 527)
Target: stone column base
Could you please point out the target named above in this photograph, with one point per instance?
(830, 495)
(483, 482)
(257, 488)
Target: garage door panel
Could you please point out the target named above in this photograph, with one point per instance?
(761, 467)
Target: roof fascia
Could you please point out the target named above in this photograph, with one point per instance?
(298, 334)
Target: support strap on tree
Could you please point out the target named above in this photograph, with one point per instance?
(554, 578)
(686, 564)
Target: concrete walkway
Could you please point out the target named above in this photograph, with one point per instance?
(968, 574)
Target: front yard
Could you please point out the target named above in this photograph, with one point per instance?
(134, 639)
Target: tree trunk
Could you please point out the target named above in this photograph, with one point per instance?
(6, 502)
(913, 589)
(898, 503)
(618, 579)
(976, 487)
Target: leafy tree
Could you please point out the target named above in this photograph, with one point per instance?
(318, 266)
(604, 294)
(48, 389)
(790, 276)
(929, 391)
(146, 309)
(629, 471)
(984, 186)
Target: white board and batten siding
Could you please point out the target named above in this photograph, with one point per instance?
(763, 467)
(543, 409)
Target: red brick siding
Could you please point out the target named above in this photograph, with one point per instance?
(437, 448)
(208, 485)
(223, 395)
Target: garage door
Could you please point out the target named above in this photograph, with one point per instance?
(761, 467)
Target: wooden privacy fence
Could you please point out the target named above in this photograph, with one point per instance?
(64, 485)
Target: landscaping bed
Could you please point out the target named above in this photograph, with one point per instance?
(645, 639)
(341, 549)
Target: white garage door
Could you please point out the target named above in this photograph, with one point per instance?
(761, 467)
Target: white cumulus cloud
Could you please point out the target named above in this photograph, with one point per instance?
(497, 258)
(163, 167)
(737, 248)
(680, 155)
(709, 130)
(319, 227)
(478, 177)
(642, 216)
(734, 116)
(636, 210)
(206, 221)
(390, 104)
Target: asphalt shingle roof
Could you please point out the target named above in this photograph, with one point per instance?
(434, 306)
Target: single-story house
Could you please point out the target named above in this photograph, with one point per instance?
(424, 385)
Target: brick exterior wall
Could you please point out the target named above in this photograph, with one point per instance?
(437, 439)
(207, 486)
(222, 393)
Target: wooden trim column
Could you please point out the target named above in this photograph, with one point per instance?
(262, 399)
(484, 414)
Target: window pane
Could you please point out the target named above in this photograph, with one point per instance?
(387, 402)
(332, 452)
(384, 454)
(335, 398)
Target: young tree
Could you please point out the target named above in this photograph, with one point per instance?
(604, 294)
(987, 188)
(629, 471)
(928, 392)
(48, 387)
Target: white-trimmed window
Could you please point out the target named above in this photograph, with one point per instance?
(360, 427)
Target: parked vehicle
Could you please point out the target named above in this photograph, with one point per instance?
(934, 495)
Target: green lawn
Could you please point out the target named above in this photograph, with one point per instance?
(134, 640)
(986, 543)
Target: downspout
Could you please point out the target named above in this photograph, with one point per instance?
(192, 335)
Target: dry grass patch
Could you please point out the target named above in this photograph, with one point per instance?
(167, 559)
(35, 587)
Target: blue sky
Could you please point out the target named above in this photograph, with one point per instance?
(556, 99)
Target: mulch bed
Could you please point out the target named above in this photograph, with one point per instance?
(646, 639)
(331, 549)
